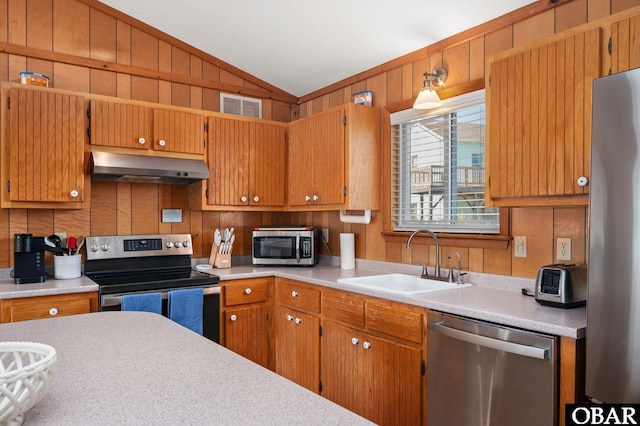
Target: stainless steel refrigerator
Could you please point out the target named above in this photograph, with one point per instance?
(613, 304)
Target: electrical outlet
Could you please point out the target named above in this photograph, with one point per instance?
(325, 235)
(563, 249)
(520, 246)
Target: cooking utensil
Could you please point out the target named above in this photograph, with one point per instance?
(54, 239)
(80, 243)
(226, 235)
(71, 245)
(215, 249)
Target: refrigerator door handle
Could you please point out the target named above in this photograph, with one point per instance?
(500, 345)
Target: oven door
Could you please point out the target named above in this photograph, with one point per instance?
(210, 308)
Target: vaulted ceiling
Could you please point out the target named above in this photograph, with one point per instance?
(301, 46)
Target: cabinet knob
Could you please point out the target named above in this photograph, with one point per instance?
(294, 293)
(247, 290)
(366, 345)
(74, 193)
(583, 181)
(243, 199)
(53, 312)
(161, 142)
(315, 198)
(256, 199)
(307, 198)
(355, 340)
(233, 317)
(298, 320)
(289, 317)
(142, 141)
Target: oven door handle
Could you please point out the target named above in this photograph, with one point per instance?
(116, 299)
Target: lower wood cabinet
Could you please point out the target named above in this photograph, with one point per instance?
(39, 307)
(245, 325)
(298, 347)
(376, 378)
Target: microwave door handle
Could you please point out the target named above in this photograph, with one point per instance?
(297, 248)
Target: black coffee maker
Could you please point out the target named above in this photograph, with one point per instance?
(28, 260)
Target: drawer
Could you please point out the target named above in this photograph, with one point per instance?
(245, 291)
(31, 308)
(295, 294)
(343, 308)
(400, 322)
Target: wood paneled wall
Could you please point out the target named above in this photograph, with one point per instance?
(395, 85)
(86, 46)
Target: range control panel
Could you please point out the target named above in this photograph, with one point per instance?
(123, 246)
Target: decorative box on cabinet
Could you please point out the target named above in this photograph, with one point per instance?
(334, 160)
(43, 141)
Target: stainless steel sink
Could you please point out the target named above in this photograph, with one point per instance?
(401, 283)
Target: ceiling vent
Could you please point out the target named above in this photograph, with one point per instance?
(240, 105)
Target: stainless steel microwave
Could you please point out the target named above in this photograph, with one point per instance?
(285, 246)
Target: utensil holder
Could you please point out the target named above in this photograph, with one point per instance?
(66, 267)
(223, 260)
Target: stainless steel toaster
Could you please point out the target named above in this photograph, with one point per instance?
(562, 285)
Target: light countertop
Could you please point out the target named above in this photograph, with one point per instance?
(142, 368)
(493, 298)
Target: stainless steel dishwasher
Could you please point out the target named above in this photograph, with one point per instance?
(484, 374)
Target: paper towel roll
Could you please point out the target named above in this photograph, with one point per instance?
(347, 251)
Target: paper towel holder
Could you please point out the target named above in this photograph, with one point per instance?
(347, 218)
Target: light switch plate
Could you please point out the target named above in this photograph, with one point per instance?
(520, 246)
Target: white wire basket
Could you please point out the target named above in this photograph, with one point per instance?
(25, 375)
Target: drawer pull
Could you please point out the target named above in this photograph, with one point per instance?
(53, 312)
(298, 320)
(247, 290)
(233, 317)
(294, 293)
(355, 341)
(289, 317)
(366, 345)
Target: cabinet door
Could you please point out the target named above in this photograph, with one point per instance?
(178, 131)
(539, 115)
(625, 49)
(267, 161)
(228, 162)
(298, 347)
(316, 159)
(246, 333)
(120, 125)
(46, 146)
(376, 378)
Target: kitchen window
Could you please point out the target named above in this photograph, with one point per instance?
(438, 173)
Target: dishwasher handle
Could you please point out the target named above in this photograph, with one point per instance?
(501, 345)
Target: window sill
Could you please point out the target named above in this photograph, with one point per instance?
(494, 242)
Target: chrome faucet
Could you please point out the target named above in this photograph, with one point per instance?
(459, 268)
(437, 267)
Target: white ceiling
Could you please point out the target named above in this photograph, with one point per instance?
(301, 46)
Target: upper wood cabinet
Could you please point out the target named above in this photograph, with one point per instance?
(43, 140)
(539, 120)
(133, 125)
(247, 161)
(334, 160)
(624, 47)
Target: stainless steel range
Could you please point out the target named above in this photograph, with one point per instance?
(135, 264)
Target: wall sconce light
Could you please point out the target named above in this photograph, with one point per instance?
(428, 98)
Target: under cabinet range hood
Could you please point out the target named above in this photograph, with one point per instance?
(141, 168)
